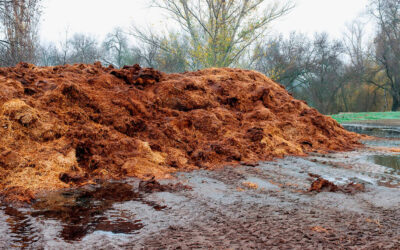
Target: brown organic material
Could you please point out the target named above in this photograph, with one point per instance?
(68, 126)
(352, 188)
(250, 185)
(319, 229)
(152, 186)
(323, 185)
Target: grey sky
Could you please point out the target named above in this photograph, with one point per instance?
(99, 17)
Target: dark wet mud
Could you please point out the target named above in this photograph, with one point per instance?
(271, 205)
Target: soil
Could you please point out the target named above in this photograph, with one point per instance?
(70, 126)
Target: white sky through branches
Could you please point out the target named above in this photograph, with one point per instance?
(98, 17)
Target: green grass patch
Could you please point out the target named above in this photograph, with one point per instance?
(365, 116)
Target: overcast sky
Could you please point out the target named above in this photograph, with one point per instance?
(98, 17)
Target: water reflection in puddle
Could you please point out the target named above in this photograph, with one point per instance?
(22, 231)
(80, 212)
(83, 211)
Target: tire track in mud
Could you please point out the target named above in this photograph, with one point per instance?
(292, 223)
(263, 226)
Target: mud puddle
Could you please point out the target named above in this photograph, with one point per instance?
(78, 212)
(391, 161)
(83, 211)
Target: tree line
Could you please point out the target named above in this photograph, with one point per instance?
(352, 74)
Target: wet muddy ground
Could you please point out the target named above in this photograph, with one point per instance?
(268, 205)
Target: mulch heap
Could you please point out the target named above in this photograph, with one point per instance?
(68, 126)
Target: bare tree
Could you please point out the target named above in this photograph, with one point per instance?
(312, 70)
(325, 77)
(174, 60)
(3, 3)
(357, 93)
(48, 55)
(115, 49)
(218, 31)
(168, 53)
(19, 19)
(354, 44)
(146, 55)
(387, 46)
(84, 49)
(284, 60)
(63, 55)
(80, 48)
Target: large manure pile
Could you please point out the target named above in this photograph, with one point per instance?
(66, 126)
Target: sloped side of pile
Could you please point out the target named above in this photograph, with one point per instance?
(66, 126)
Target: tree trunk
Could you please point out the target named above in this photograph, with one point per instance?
(386, 101)
(396, 104)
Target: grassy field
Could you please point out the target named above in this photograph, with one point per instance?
(366, 116)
